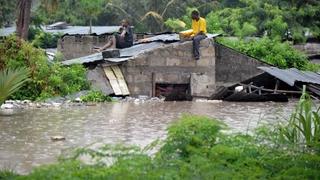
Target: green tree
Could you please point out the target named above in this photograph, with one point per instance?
(92, 9)
(7, 12)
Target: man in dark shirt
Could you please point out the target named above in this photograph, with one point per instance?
(123, 39)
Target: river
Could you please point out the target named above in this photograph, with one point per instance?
(26, 137)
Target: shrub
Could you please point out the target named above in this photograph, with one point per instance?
(11, 80)
(189, 134)
(274, 52)
(45, 40)
(96, 96)
(194, 149)
(47, 79)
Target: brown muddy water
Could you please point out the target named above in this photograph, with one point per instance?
(25, 138)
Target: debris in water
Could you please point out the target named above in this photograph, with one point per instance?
(58, 138)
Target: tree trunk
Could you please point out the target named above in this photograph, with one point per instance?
(24, 10)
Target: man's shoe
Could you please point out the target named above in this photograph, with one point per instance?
(196, 58)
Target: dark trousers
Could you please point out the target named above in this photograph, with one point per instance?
(196, 45)
(121, 43)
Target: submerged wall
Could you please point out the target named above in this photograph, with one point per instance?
(172, 64)
(233, 67)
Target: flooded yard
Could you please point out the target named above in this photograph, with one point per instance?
(26, 137)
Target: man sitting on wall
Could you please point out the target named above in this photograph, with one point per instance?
(197, 33)
(123, 39)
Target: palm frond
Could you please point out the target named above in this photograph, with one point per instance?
(11, 80)
(153, 14)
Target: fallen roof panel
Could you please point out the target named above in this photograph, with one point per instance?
(293, 75)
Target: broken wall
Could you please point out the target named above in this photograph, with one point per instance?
(233, 67)
(172, 64)
(75, 46)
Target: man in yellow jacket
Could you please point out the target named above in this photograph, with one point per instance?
(197, 33)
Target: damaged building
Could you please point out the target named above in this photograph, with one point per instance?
(162, 65)
(159, 66)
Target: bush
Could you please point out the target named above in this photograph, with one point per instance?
(96, 96)
(189, 134)
(47, 79)
(195, 149)
(274, 52)
(45, 40)
(11, 80)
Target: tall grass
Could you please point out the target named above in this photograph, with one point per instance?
(10, 81)
(303, 128)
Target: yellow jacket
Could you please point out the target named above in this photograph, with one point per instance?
(197, 26)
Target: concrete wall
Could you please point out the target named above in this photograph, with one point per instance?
(79, 46)
(172, 64)
(233, 67)
(311, 49)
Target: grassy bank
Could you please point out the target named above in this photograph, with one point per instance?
(198, 148)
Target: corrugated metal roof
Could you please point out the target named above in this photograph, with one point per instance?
(71, 30)
(129, 53)
(86, 59)
(293, 75)
(173, 37)
(140, 48)
(125, 54)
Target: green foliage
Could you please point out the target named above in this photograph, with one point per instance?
(46, 79)
(7, 12)
(303, 128)
(189, 134)
(175, 24)
(45, 40)
(194, 149)
(96, 96)
(11, 80)
(7, 174)
(274, 52)
(274, 18)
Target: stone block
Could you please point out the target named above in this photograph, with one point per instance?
(206, 43)
(173, 61)
(138, 78)
(87, 39)
(129, 78)
(187, 62)
(159, 77)
(111, 53)
(203, 62)
(157, 61)
(207, 51)
(98, 81)
(202, 85)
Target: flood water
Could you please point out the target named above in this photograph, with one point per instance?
(25, 138)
